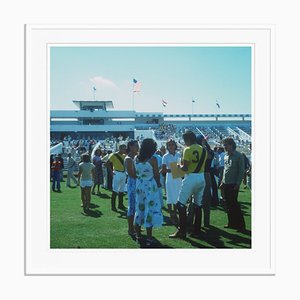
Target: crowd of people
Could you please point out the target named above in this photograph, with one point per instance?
(192, 181)
(84, 144)
(165, 131)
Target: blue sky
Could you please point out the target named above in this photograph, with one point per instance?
(176, 74)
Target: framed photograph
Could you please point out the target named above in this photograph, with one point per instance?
(95, 93)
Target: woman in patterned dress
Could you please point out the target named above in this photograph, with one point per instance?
(132, 150)
(148, 205)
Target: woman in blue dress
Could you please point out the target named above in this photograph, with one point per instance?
(132, 150)
(148, 205)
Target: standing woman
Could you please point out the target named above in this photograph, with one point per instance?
(98, 179)
(85, 179)
(172, 185)
(148, 205)
(132, 150)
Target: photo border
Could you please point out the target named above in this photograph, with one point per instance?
(35, 265)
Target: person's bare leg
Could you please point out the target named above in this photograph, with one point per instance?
(130, 225)
(88, 196)
(93, 189)
(149, 236)
(149, 232)
(83, 197)
(138, 231)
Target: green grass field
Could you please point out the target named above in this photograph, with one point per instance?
(103, 228)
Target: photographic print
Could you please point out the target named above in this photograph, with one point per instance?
(154, 150)
(119, 118)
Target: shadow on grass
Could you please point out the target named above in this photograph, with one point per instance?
(245, 207)
(122, 214)
(214, 235)
(103, 196)
(156, 244)
(93, 205)
(92, 213)
(196, 243)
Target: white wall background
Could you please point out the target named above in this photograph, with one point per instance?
(14, 14)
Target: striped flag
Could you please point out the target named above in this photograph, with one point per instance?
(164, 102)
(136, 86)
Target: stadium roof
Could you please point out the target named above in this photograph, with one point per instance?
(88, 105)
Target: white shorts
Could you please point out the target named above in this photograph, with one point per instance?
(192, 184)
(119, 181)
(86, 183)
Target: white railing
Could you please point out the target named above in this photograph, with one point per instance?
(243, 135)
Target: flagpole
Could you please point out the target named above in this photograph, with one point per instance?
(133, 96)
(216, 110)
(193, 101)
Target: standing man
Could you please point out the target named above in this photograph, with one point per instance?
(71, 165)
(61, 171)
(56, 174)
(207, 195)
(116, 167)
(234, 169)
(194, 157)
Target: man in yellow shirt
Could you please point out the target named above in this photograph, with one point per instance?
(116, 167)
(194, 157)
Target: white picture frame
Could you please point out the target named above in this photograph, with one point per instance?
(41, 260)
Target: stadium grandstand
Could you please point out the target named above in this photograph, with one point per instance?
(99, 123)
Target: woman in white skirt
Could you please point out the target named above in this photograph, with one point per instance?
(172, 185)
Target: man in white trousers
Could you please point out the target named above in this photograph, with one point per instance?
(71, 163)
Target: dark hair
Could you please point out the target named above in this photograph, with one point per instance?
(230, 141)
(85, 157)
(189, 136)
(169, 142)
(130, 144)
(148, 148)
(98, 150)
(122, 146)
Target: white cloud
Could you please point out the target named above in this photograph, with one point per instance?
(102, 82)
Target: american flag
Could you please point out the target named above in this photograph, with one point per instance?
(164, 103)
(136, 86)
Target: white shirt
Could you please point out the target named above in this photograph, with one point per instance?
(168, 158)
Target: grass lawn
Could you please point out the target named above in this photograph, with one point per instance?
(103, 228)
